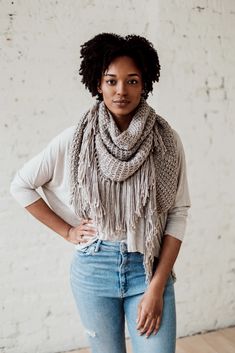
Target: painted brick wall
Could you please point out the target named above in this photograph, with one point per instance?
(41, 94)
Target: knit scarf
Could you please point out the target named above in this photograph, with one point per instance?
(117, 177)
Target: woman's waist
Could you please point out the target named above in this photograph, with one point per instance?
(105, 241)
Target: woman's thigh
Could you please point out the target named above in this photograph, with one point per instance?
(165, 339)
(104, 323)
(102, 316)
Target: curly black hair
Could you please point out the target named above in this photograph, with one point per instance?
(101, 50)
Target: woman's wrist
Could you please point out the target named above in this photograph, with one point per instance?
(157, 286)
(66, 236)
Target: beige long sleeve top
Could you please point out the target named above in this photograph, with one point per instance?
(48, 171)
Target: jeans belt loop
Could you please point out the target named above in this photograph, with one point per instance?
(97, 247)
(123, 246)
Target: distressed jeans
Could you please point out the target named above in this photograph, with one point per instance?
(108, 283)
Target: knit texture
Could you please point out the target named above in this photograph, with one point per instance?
(117, 177)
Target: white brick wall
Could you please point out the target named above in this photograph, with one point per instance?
(40, 95)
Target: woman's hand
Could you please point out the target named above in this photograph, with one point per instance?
(150, 312)
(82, 232)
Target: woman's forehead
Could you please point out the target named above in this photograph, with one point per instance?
(121, 64)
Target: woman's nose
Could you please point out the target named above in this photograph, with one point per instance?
(121, 88)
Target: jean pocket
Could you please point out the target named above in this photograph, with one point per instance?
(86, 249)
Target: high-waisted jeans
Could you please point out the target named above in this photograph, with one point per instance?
(108, 283)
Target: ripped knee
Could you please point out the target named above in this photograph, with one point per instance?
(90, 333)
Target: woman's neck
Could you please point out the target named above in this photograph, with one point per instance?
(122, 122)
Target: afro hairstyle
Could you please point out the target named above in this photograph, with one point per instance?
(98, 53)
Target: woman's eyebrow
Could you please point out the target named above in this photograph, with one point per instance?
(116, 75)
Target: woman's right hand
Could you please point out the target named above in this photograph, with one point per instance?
(82, 232)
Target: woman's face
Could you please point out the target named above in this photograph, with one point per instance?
(121, 87)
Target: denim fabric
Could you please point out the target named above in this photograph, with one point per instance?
(108, 283)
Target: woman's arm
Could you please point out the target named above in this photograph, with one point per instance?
(47, 166)
(151, 305)
(43, 213)
(169, 252)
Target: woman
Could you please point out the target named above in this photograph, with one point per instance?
(116, 186)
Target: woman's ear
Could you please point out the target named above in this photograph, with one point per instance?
(98, 88)
(144, 91)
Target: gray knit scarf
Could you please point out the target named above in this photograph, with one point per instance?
(118, 177)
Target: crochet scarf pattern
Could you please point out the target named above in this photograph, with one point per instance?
(116, 176)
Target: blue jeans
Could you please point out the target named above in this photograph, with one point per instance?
(108, 283)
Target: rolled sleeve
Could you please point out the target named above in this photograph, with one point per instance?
(47, 170)
(34, 173)
(21, 192)
(177, 215)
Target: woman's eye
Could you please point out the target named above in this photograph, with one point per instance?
(111, 82)
(114, 82)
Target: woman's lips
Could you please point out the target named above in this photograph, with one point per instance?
(121, 103)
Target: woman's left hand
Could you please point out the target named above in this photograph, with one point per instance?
(150, 312)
